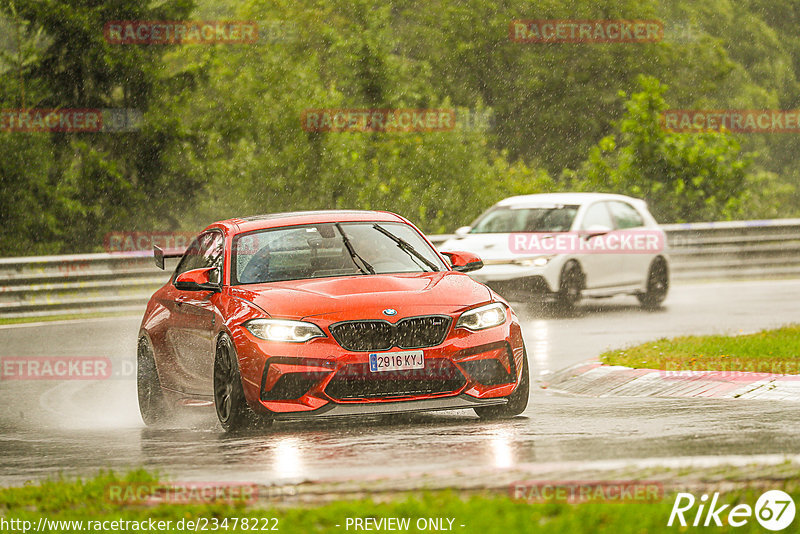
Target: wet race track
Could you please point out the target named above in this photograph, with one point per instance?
(79, 426)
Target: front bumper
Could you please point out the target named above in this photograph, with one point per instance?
(544, 279)
(319, 377)
(522, 289)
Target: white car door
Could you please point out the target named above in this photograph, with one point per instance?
(635, 263)
(602, 269)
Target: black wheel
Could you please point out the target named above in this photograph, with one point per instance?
(232, 410)
(152, 404)
(657, 285)
(517, 401)
(570, 287)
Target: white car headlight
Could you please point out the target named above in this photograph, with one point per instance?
(539, 261)
(483, 317)
(283, 330)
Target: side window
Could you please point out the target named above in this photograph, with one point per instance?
(597, 215)
(625, 215)
(205, 251)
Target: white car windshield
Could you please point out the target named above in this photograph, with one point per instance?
(505, 219)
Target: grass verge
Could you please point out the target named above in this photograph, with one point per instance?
(768, 351)
(77, 500)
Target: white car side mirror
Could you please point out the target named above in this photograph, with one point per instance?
(596, 230)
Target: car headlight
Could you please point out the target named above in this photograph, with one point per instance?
(283, 330)
(539, 261)
(483, 317)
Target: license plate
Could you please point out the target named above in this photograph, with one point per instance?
(396, 361)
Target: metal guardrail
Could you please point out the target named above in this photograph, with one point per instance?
(734, 249)
(86, 283)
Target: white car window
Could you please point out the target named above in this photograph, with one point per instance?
(625, 215)
(598, 215)
(534, 219)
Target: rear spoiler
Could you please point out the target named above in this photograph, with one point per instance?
(159, 255)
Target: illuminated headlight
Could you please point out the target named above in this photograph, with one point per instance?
(483, 317)
(539, 261)
(283, 330)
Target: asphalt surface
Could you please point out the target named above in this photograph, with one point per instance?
(77, 427)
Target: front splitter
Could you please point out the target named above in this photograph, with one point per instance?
(333, 409)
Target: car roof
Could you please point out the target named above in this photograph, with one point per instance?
(564, 198)
(293, 218)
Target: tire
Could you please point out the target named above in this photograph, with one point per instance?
(152, 404)
(657, 285)
(517, 401)
(231, 407)
(570, 286)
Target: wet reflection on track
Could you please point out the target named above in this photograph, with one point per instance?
(79, 427)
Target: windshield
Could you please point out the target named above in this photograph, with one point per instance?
(324, 250)
(504, 220)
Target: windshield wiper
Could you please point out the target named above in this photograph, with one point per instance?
(406, 247)
(353, 254)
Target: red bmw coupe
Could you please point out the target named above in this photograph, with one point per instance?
(327, 313)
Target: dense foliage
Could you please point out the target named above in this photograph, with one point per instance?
(221, 133)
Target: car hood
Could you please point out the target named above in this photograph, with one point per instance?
(365, 297)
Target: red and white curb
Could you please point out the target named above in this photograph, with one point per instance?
(594, 379)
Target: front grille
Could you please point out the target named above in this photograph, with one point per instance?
(356, 381)
(408, 333)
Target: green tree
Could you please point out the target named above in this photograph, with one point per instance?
(683, 176)
(90, 183)
(251, 145)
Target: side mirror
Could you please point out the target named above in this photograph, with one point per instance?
(206, 279)
(463, 231)
(464, 262)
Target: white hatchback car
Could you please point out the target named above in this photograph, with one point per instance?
(569, 245)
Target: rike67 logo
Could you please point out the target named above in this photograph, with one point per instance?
(774, 510)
